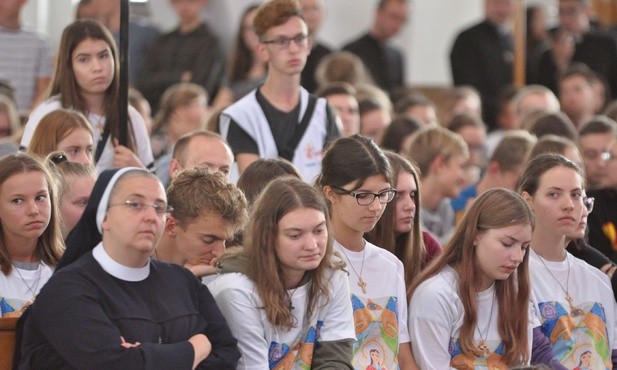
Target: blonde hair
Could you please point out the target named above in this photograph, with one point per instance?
(430, 142)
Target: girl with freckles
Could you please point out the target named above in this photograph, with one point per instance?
(470, 307)
(285, 294)
(572, 300)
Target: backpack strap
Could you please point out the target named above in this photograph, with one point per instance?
(287, 152)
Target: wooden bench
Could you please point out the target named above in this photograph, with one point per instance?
(7, 341)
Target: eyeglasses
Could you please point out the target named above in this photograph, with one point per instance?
(59, 158)
(366, 198)
(282, 42)
(137, 207)
(608, 156)
(588, 202)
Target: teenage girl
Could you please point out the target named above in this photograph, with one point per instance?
(357, 191)
(86, 79)
(30, 239)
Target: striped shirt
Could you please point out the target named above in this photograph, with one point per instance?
(24, 57)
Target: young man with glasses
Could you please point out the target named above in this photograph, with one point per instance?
(280, 118)
(595, 138)
(603, 221)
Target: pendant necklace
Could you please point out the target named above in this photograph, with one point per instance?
(574, 311)
(482, 346)
(35, 285)
(361, 282)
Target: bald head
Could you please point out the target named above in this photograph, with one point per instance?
(201, 149)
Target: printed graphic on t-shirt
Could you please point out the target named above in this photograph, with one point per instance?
(492, 361)
(376, 322)
(282, 356)
(12, 307)
(579, 338)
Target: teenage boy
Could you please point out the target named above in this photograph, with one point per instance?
(280, 118)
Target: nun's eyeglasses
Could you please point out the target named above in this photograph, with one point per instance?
(138, 207)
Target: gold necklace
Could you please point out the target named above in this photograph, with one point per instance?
(361, 282)
(32, 288)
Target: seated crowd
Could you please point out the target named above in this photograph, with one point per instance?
(302, 208)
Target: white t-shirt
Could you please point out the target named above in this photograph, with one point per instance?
(435, 319)
(584, 331)
(142, 140)
(380, 314)
(16, 290)
(264, 346)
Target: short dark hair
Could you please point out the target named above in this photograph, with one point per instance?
(409, 101)
(579, 69)
(598, 125)
(185, 140)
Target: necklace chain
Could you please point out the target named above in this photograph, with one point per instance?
(567, 287)
(361, 282)
(35, 285)
(482, 346)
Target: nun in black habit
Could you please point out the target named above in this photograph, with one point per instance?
(109, 306)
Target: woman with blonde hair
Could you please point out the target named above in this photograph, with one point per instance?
(285, 295)
(470, 306)
(64, 130)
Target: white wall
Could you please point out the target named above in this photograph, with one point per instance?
(426, 39)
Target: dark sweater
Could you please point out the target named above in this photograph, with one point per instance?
(81, 314)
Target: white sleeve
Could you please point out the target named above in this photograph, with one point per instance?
(338, 320)
(34, 118)
(243, 316)
(403, 330)
(430, 326)
(142, 139)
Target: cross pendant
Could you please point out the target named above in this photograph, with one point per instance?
(570, 299)
(362, 285)
(483, 348)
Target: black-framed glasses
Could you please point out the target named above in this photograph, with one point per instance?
(588, 202)
(365, 198)
(59, 158)
(283, 42)
(138, 207)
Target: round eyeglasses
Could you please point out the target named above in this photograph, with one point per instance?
(365, 198)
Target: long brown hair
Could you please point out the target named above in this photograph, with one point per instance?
(64, 84)
(494, 209)
(408, 247)
(50, 245)
(280, 197)
(242, 57)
